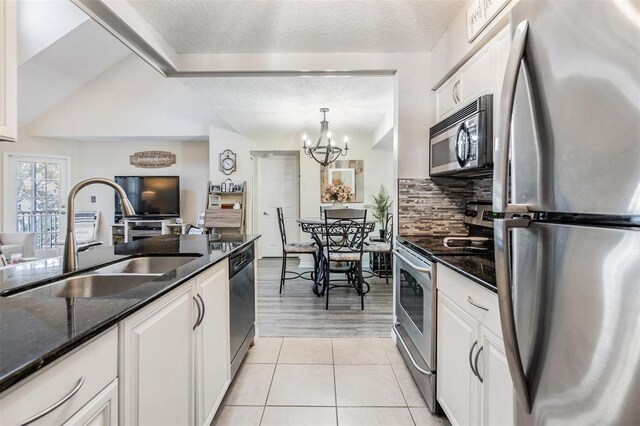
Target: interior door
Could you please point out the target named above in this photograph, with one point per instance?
(35, 189)
(278, 186)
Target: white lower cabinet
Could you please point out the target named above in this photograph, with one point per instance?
(156, 369)
(457, 387)
(496, 406)
(474, 386)
(73, 391)
(212, 340)
(102, 410)
(175, 354)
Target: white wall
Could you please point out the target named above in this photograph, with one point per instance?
(108, 159)
(378, 166)
(129, 100)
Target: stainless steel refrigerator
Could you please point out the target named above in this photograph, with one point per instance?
(567, 162)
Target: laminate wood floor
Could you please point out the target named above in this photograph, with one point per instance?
(297, 312)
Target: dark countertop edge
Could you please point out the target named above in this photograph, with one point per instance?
(26, 370)
(467, 274)
(438, 259)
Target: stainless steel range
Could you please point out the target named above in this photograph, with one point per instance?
(415, 291)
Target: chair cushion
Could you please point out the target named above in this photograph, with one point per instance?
(309, 247)
(344, 257)
(377, 247)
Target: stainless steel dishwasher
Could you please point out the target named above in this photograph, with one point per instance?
(242, 302)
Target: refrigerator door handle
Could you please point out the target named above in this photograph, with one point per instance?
(501, 143)
(505, 304)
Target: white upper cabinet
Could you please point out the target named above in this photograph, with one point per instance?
(8, 71)
(481, 74)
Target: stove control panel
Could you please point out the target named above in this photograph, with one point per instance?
(479, 213)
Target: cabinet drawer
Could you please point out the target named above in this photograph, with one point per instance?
(223, 218)
(89, 370)
(463, 291)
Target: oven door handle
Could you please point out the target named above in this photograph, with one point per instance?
(413, 265)
(413, 361)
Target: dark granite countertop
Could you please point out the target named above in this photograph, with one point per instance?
(476, 265)
(36, 331)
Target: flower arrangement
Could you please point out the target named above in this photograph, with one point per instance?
(337, 191)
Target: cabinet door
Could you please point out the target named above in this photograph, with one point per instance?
(8, 71)
(446, 97)
(476, 75)
(496, 400)
(157, 368)
(501, 46)
(102, 410)
(458, 387)
(212, 342)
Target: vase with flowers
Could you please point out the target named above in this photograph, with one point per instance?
(338, 192)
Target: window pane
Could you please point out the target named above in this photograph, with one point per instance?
(41, 171)
(41, 188)
(53, 189)
(24, 204)
(53, 204)
(41, 204)
(53, 171)
(23, 188)
(23, 170)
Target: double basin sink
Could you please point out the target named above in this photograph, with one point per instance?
(109, 280)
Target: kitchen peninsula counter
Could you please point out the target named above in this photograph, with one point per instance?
(36, 331)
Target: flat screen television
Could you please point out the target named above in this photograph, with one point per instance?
(152, 197)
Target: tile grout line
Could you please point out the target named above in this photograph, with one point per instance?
(264, 408)
(335, 386)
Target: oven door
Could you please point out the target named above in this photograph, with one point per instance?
(415, 302)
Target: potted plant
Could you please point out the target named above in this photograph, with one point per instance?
(381, 204)
(338, 192)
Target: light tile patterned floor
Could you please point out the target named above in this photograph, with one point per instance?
(324, 381)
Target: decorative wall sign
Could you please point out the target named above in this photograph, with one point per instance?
(350, 172)
(480, 13)
(227, 162)
(152, 159)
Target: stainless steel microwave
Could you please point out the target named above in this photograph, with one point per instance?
(462, 144)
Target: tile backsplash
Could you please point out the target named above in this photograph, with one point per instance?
(436, 206)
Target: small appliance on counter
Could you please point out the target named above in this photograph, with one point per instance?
(461, 145)
(415, 286)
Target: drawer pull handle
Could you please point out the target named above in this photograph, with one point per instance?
(470, 300)
(46, 411)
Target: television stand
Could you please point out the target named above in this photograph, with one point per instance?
(135, 229)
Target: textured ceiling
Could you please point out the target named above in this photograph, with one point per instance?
(265, 26)
(285, 105)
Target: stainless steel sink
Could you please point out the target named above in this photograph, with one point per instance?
(146, 265)
(91, 285)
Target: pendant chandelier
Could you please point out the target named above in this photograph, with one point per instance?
(324, 150)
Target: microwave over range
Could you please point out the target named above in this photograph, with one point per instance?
(461, 145)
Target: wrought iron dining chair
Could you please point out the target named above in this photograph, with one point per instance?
(344, 242)
(382, 251)
(293, 248)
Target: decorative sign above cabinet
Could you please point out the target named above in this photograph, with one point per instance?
(152, 159)
(480, 13)
(227, 162)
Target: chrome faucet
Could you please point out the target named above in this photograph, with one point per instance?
(70, 256)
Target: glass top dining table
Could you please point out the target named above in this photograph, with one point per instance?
(316, 228)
